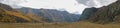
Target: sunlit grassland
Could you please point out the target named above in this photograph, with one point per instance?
(58, 25)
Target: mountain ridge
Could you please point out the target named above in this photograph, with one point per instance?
(51, 15)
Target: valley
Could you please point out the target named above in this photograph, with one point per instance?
(61, 25)
(25, 17)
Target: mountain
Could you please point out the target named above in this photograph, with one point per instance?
(10, 15)
(50, 15)
(87, 12)
(30, 15)
(5, 6)
(106, 14)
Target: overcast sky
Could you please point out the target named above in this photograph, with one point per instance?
(72, 6)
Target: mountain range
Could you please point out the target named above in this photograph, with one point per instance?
(51, 15)
(26, 14)
(103, 15)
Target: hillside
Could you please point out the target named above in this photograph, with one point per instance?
(50, 15)
(106, 14)
(87, 13)
(9, 15)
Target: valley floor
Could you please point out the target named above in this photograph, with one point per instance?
(54, 25)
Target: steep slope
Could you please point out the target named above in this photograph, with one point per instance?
(7, 18)
(59, 16)
(9, 15)
(5, 6)
(107, 14)
(51, 15)
(29, 13)
(87, 12)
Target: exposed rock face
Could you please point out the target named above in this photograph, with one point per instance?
(87, 13)
(106, 14)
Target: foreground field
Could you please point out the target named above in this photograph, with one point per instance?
(54, 25)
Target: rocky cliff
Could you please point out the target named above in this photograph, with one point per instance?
(106, 14)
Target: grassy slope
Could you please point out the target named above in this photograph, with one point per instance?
(30, 14)
(9, 16)
(33, 16)
(18, 15)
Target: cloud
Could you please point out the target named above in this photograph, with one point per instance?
(95, 3)
(12, 3)
(106, 2)
(72, 6)
(69, 5)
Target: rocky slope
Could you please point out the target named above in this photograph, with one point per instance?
(51, 15)
(106, 14)
(87, 12)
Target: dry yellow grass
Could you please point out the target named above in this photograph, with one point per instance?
(61, 25)
(18, 15)
(35, 17)
(93, 25)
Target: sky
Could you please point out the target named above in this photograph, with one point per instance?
(72, 6)
(96, 3)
